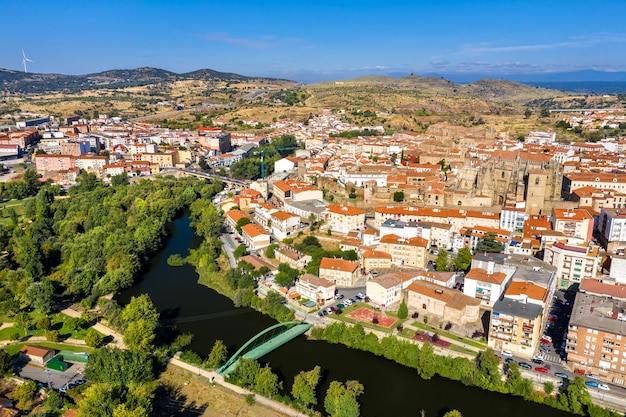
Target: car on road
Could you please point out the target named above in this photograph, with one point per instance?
(338, 296)
(524, 365)
(592, 384)
(506, 353)
(604, 387)
(541, 369)
(360, 295)
(537, 359)
(347, 302)
(352, 300)
(546, 337)
(509, 360)
(592, 376)
(561, 375)
(328, 311)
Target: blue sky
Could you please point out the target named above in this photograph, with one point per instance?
(309, 40)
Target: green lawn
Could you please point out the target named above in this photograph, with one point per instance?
(58, 323)
(15, 348)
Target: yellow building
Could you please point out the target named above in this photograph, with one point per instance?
(405, 252)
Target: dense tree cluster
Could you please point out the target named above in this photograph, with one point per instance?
(482, 372)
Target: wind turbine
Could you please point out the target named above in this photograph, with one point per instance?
(24, 60)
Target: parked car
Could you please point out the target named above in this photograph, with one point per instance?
(339, 297)
(592, 376)
(537, 360)
(592, 384)
(509, 360)
(524, 365)
(506, 353)
(604, 387)
(360, 295)
(561, 375)
(341, 305)
(546, 337)
(347, 302)
(541, 369)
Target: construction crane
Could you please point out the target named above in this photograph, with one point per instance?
(264, 151)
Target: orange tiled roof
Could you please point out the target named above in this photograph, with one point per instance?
(479, 274)
(533, 291)
(338, 264)
(345, 210)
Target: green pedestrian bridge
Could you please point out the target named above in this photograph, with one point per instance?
(264, 342)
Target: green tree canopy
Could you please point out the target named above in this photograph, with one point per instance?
(218, 355)
(488, 243)
(119, 367)
(304, 385)
(441, 262)
(463, 259)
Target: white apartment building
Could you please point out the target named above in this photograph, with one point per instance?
(573, 261)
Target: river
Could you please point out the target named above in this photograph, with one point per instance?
(390, 389)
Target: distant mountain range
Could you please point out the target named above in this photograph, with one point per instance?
(576, 76)
(21, 82)
(587, 81)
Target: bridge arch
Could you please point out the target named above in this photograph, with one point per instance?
(299, 326)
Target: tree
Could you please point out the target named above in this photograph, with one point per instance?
(304, 385)
(139, 336)
(54, 402)
(6, 362)
(241, 223)
(140, 308)
(93, 338)
(119, 367)
(487, 370)
(340, 400)
(441, 262)
(398, 196)
(98, 400)
(240, 251)
(463, 259)
(426, 362)
(24, 393)
(266, 383)
(527, 113)
(545, 112)
(286, 275)
(23, 321)
(218, 355)
(403, 310)
(453, 413)
(52, 335)
(270, 251)
(120, 179)
(43, 323)
(39, 295)
(488, 243)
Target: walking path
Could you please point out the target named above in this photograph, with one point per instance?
(118, 339)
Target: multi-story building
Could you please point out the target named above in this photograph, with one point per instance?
(295, 190)
(512, 217)
(406, 230)
(343, 219)
(315, 288)
(576, 223)
(284, 224)
(596, 335)
(374, 260)
(339, 271)
(387, 289)
(572, 261)
(485, 284)
(405, 252)
(515, 326)
(612, 227)
(601, 180)
(263, 214)
(451, 305)
(254, 236)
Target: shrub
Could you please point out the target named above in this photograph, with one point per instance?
(175, 260)
(415, 315)
(52, 335)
